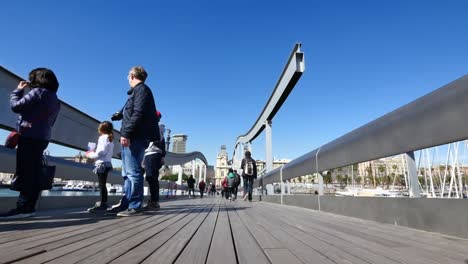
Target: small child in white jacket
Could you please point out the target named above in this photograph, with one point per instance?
(103, 165)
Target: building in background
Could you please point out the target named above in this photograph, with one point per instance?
(222, 166)
(276, 164)
(179, 143)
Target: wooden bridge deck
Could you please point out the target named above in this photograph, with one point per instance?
(214, 230)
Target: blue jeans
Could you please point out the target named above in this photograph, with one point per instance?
(132, 172)
(248, 184)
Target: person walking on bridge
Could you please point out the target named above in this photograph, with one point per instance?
(201, 187)
(249, 173)
(137, 131)
(191, 186)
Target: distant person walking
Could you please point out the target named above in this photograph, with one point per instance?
(249, 173)
(213, 189)
(238, 182)
(231, 180)
(103, 155)
(153, 161)
(137, 131)
(191, 186)
(201, 187)
(224, 190)
(37, 111)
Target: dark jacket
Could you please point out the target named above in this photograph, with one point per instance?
(202, 186)
(139, 115)
(191, 182)
(37, 111)
(244, 161)
(238, 179)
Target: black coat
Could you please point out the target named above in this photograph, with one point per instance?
(139, 115)
(244, 161)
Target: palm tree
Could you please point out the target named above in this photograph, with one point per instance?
(327, 178)
(381, 171)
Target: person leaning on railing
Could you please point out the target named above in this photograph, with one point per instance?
(37, 111)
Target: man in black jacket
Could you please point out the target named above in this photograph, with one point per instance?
(137, 131)
(249, 173)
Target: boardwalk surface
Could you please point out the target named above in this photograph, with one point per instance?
(214, 230)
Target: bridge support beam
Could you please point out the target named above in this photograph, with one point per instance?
(179, 180)
(320, 183)
(194, 167)
(282, 184)
(268, 146)
(204, 172)
(413, 188)
(200, 172)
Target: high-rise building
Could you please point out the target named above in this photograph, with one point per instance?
(179, 143)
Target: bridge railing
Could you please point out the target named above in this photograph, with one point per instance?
(435, 119)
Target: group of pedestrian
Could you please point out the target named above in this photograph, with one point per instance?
(142, 147)
(232, 181)
(191, 187)
(142, 143)
(142, 151)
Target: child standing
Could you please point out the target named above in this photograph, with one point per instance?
(103, 165)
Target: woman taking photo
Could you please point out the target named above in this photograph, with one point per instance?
(37, 111)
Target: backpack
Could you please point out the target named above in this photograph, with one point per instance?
(231, 181)
(249, 167)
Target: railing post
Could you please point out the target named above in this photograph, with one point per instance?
(194, 167)
(268, 146)
(204, 172)
(281, 184)
(179, 180)
(413, 188)
(320, 183)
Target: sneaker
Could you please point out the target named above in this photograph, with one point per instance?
(18, 213)
(98, 208)
(151, 205)
(130, 212)
(114, 210)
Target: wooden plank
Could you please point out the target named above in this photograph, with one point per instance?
(247, 248)
(102, 228)
(50, 228)
(132, 244)
(169, 251)
(85, 248)
(64, 234)
(290, 220)
(132, 222)
(338, 255)
(20, 251)
(432, 242)
(429, 254)
(281, 256)
(303, 252)
(371, 251)
(263, 237)
(222, 247)
(196, 250)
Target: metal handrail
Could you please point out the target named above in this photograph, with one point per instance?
(434, 119)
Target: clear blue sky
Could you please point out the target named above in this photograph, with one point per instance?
(213, 64)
